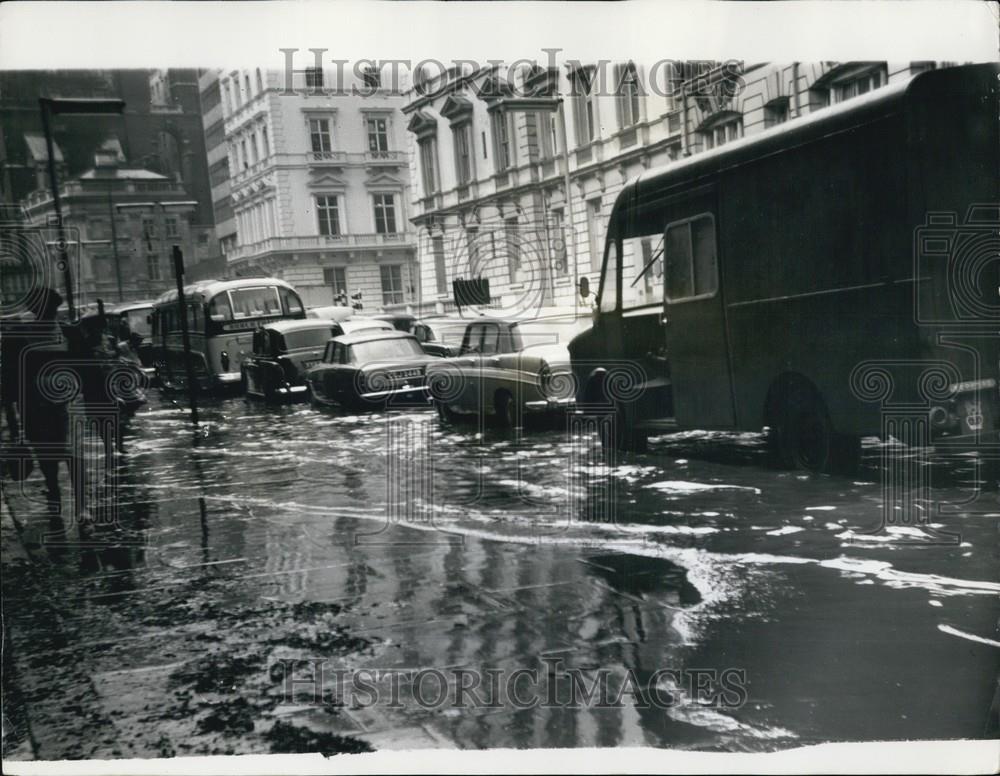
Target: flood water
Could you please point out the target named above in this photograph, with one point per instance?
(277, 542)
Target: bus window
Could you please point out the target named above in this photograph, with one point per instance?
(255, 302)
(642, 275)
(290, 302)
(691, 265)
(219, 308)
(609, 279)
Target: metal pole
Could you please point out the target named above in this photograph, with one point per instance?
(568, 218)
(114, 244)
(186, 337)
(44, 104)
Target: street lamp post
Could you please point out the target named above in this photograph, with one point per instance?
(81, 107)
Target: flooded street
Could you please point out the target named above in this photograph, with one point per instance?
(279, 548)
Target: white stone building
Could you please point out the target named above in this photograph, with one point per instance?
(319, 180)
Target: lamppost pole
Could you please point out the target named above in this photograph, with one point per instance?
(114, 243)
(46, 106)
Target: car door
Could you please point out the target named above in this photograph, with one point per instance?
(694, 316)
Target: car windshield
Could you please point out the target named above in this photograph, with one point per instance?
(307, 338)
(384, 349)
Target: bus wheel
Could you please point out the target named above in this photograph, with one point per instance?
(804, 438)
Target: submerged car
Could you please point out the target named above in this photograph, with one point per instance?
(507, 368)
(282, 353)
(370, 369)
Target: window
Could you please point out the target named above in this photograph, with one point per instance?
(171, 227)
(260, 81)
(463, 153)
(547, 134)
(371, 78)
(246, 83)
(385, 213)
(253, 149)
(246, 159)
(328, 212)
(472, 246)
(503, 145)
(336, 278)
(512, 240)
(776, 112)
(481, 338)
(255, 302)
(858, 85)
(392, 283)
(558, 238)
(627, 95)
(609, 280)
(689, 258)
(153, 266)
(723, 133)
(594, 233)
(314, 78)
(378, 136)
(428, 165)
(440, 271)
(149, 232)
(319, 135)
(265, 146)
(584, 106)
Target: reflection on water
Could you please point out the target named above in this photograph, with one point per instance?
(475, 552)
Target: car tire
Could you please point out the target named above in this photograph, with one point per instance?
(624, 436)
(445, 413)
(505, 411)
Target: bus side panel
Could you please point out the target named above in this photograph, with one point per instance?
(810, 236)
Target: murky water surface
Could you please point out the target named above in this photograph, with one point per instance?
(278, 541)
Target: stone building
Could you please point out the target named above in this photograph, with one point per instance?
(490, 193)
(319, 184)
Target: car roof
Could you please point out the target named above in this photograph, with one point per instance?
(369, 336)
(298, 324)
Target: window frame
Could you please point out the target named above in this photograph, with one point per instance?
(715, 244)
(322, 208)
(401, 291)
(326, 134)
(386, 211)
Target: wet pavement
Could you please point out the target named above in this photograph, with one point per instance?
(277, 550)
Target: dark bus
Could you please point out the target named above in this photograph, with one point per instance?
(812, 280)
(222, 318)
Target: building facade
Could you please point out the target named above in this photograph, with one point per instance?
(320, 186)
(120, 225)
(489, 167)
(156, 147)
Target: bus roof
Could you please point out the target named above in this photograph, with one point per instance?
(206, 289)
(880, 102)
(286, 325)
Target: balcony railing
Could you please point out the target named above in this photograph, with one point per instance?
(316, 243)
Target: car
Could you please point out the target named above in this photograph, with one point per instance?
(332, 312)
(136, 328)
(282, 352)
(370, 369)
(440, 336)
(507, 368)
(354, 325)
(399, 321)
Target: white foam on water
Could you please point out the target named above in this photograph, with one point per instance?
(820, 509)
(682, 487)
(970, 636)
(788, 529)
